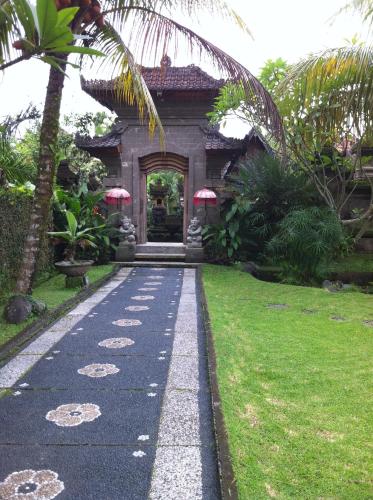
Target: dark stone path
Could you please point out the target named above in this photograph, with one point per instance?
(117, 405)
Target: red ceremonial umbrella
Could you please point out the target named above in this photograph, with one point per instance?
(204, 197)
(118, 197)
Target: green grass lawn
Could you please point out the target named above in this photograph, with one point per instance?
(296, 386)
(53, 293)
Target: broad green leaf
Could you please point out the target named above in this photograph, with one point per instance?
(71, 222)
(79, 50)
(65, 16)
(47, 16)
(26, 18)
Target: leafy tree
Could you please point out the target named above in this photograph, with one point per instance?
(15, 168)
(89, 124)
(332, 94)
(79, 161)
(147, 24)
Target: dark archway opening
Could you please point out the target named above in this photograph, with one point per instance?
(164, 198)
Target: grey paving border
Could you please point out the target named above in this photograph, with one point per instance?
(20, 339)
(177, 469)
(228, 484)
(26, 358)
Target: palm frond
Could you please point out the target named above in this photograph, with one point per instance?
(338, 83)
(363, 7)
(9, 30)
(130, 86)
(192, 8)
(158, 35)
(12, 164)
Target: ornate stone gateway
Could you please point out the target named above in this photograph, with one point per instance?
(183, 96)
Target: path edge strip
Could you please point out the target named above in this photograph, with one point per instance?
(13, 345)
(228, 484)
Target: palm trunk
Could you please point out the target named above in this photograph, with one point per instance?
(45, 179)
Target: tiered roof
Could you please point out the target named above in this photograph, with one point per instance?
(162, 78)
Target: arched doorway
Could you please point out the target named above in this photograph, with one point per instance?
(161, 162)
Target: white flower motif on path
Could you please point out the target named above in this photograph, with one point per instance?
(155, 277)
(143, 437)
(137, 308)
(139, 453)
(143, 297)
(32, 484)
(127, 322)
(152, 394)
(153, 283)
(73, 414)
(116, 342)
(148, 289)
(98, 370)
(158, 269)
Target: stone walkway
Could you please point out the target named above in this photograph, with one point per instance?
(112, 401)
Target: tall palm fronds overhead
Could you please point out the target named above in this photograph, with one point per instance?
(340, 81)
(150, 30)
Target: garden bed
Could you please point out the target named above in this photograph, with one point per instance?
(53, 293)
(294, 373)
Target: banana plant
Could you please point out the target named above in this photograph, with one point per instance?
(74, 237)
(43, 31)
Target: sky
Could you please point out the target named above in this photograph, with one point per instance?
(290, 29)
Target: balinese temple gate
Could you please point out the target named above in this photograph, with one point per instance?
(183, 96)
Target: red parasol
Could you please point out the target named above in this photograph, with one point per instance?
(204, 197)
(118, 197)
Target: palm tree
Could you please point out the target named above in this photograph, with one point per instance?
(147, 24)
(331, 93)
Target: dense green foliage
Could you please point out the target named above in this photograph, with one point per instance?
(295, 386)
(15, 206)
(306, 242)
(264, 192)
(87, 209)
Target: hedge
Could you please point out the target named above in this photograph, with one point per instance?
(15, 207)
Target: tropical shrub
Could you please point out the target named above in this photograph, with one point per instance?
(264, 192)
(306, 242)
(86, 206)
(74, 236)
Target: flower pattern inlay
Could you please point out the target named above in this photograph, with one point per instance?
(127, 322)
(96, 370)
(73, 414)
(147, 289)
(155, 277)
(137, 308)
(152, 283)
(116, 342)
(143, 297)
(31, 484)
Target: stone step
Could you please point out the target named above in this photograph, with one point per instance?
(165, 249)
(160, 256)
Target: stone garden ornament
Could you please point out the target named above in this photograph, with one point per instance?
(194, 248)
(127, 247)
(194, 238)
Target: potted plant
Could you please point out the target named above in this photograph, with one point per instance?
(74, 237)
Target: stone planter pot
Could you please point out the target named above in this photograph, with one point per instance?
(74, 269)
